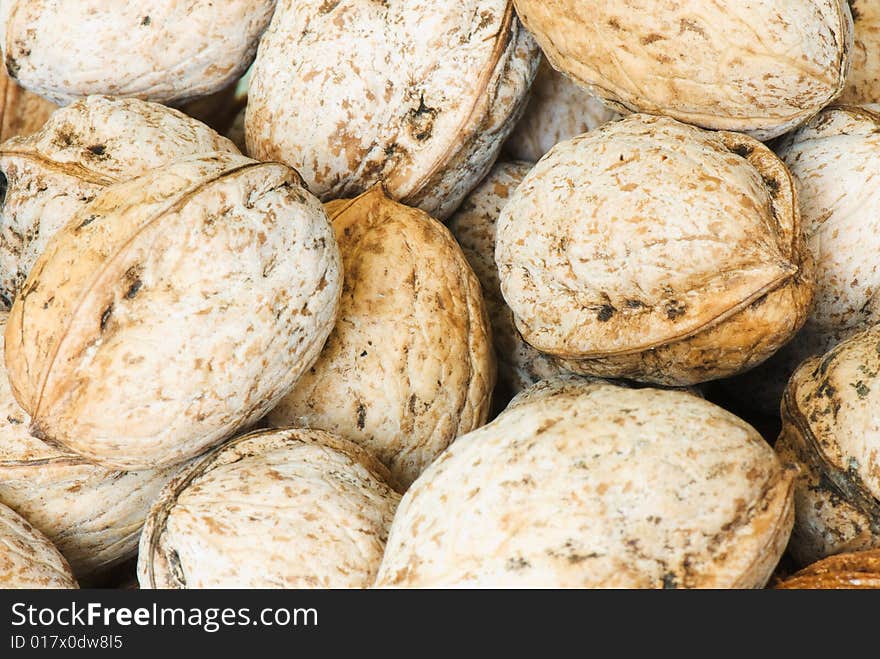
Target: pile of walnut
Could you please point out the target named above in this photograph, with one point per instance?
(486, 293)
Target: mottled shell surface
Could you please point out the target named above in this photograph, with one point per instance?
(82, 149)
(174, 310)
(473, 225)
(863, 84)
(653, 250)
(855, 571)
(831, 429)
(416, 94)
(165, 50)
(586, 484)
(759, 67)
(27, 558)
(272, 509)
(558, 110)
(21, 112)
(409, 366)
(93, 515)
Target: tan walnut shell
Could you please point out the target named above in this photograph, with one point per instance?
(863, 84)
(581, 483)
(858, 570)
(409, 366)
(759, 67)
(657, 251)
(81, 150)
(27, 558)
(558, 109)
(167, 51)
(92, 514)
(830, 428)
(415, 94)
(272, 509)
(21, 112)
(835, 162)
(473, 225)
(174, 310)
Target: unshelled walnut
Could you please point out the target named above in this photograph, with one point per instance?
(863, 84)
(581, 483)
(174, 310)
(27, 558)
(272, 509)
(858, 570)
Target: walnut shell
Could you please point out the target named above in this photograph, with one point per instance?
(416, 94)
(409, 366)
(169, 51)
(93, 515)
(558, 110)
(760, 67)
(582, 483)
(835, 162)
(82, 149)
(830, 429)
(653, 250)
(27, 558)
(863, 84)
(174, 310)
(272, 509)
(21, 112)
(859, 570)
(473, 225)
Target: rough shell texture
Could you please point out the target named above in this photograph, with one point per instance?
(656, 251)
(409, 366)
(27, 558)
(165, 50)
(832, 431)
(835, 162)
(558, 110)
(174, 310)
(863, 84)
(21, 112)
(93, 515)
(82, 149)
(273, 509)
(417, 94)
(760, 67)
(473, 224)
(859, 570)
(586, 484)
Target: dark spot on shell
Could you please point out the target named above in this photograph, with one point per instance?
(675, 309)
(514, 564)
(362, 416)
(862, 390)
(634, 304)
(106, 316)
(742, 150)
(605, 313)
(14, 421)
(146, 20)
(4, 186)
(97, 149)
(772, 185)
(133, 289)
(757, 303)
(364, 353)
(669, 581)
(856, 14)
(12, 67)
(421, 120)
(86, 222)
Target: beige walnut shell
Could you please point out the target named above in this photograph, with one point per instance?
(863, 84)
(760, 67)
(473, 225)
(835, 162)
(82, 149)
(272, 509)
(409, 366)
(657, 251)
(21, 112)
(27, 558)
(174, 310)
(830, 428)
(415, 94)
(582, 483)
(558, 109)
(858, 570)
(167, 51)
(93, 515)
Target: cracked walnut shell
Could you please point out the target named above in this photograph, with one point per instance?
(272, 509)
(409, 366)
(760, 67)
(174, 310)
(27, 558)
(656, 251)
(581, 483)
(415, 94)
